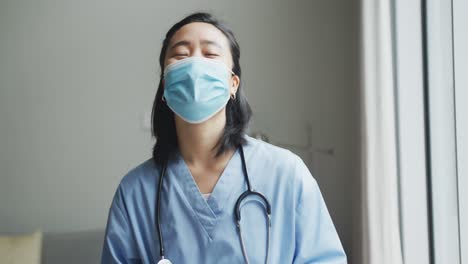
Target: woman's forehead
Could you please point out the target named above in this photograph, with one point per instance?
(200, 32)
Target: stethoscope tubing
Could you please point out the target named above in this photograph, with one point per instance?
(237, 211)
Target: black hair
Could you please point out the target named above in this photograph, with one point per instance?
(238, 111)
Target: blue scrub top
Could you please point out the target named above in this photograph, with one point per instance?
(196, 230)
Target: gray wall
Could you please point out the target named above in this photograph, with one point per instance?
(77, 79)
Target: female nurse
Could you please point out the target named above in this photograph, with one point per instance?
(210, 193)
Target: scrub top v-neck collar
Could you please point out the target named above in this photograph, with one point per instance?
(208, 211)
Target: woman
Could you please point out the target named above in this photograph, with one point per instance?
(203, 162)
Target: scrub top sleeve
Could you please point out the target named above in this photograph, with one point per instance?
(119, 245)
(316, 238)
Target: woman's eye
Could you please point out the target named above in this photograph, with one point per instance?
(180, 55)
(212, 55)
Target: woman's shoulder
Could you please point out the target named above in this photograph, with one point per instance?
(285, 168)
(272, 154)
(139, 175)
(279, 161)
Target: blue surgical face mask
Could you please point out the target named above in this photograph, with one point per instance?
(196, 88)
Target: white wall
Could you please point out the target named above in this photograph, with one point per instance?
(77, 77)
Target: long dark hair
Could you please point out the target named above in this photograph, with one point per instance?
(238, 111)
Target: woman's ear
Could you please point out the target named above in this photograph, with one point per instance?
(235, 81)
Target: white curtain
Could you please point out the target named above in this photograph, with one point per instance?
(380, 213)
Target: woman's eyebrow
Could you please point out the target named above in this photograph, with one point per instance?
(187, 43)
(211, 42)
(180, 43)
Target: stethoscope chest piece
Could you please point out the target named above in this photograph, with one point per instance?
(164, 261)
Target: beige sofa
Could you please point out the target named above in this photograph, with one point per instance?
(21, 249)
(52, 248)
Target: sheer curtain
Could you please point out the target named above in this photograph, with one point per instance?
(379, 183)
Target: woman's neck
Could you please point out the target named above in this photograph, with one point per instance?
(197, 141)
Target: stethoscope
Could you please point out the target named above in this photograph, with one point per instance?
(237, 212)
